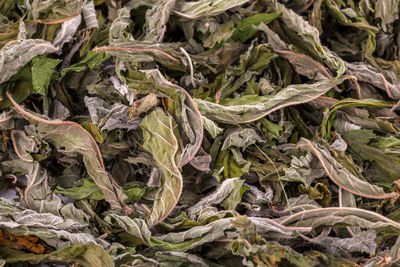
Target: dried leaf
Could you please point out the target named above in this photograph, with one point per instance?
(161, 139)
(342, 177)
(71, 138)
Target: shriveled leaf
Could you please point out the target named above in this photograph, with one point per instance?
(363, 242)
(241, 138)
(71, 138)
(223, 191)
(17, 54)
(212, 128)
(67, 31)
(341, 176)
(48, 227)
(157, 18)
(6, 120)
(85, 255)
(387, 12)
(89, 14)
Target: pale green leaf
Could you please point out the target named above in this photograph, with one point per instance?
(253, 107)
(161, 139)
(198, 9)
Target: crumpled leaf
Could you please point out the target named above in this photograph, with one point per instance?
(362, 143)
(304, 169)
(48, 227)
(120, 24)
(342, 177)
(6, 120)
(212, 128)
(85, 255)
(174, 257)
(37, 194)
(195, 10)
(63, 134)
(118, 118)
(14, 56)
(157, 18)
(309, 35)
(122, 89)
(256, 250)
(135, 227)
(384, 80)
(387, 11)
(199, 235)
(67, 31)
(89, 14)
(364, 242)
(54, 12)
(223, 191)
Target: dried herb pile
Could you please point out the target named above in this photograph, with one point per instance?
(199, 133)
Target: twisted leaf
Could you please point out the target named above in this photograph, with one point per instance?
(253, 107)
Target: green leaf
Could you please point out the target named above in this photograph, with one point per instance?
(212, 128)
(246, 28)
(91, 60)
(235, 196)
(88, 190)
(42, 72)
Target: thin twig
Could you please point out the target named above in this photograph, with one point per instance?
(190, 65)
